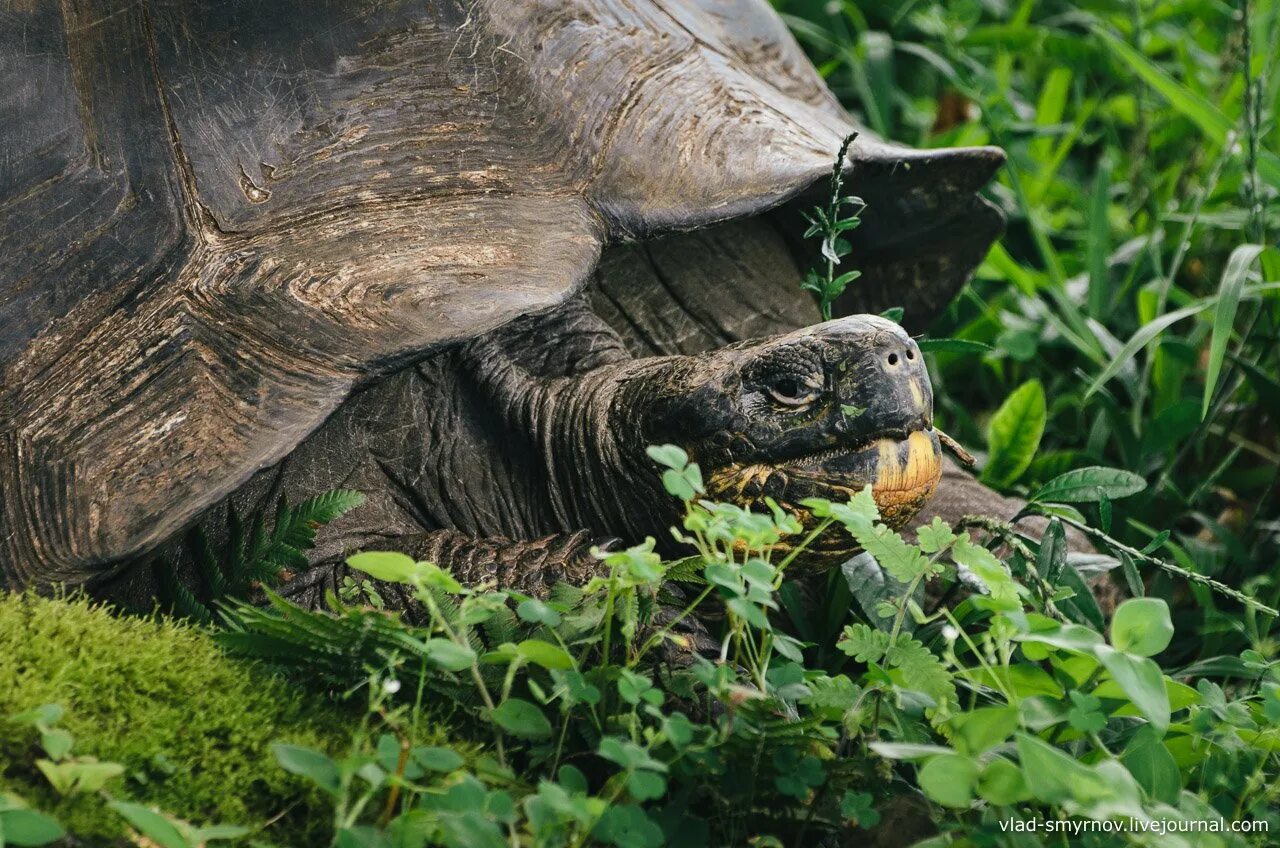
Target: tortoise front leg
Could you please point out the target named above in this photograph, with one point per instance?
(531, 567)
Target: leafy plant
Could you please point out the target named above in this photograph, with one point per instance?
(829, 224)
(603, 715)
(70, 775)
(253, 555)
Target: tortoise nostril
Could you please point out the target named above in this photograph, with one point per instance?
(893, 359)
(911, 354)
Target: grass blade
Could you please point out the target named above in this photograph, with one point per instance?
(1192, 106)
(1233, 277)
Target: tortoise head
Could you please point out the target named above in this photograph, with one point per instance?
(817, 413)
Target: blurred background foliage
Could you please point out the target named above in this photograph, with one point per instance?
(1141, 197)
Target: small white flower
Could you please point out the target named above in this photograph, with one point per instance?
(391, 686)
(950, 633)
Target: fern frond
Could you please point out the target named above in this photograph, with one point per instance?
(254, 555)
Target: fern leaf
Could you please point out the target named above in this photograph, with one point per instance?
(864, 643)
(922, 671)
(233, 556)
(255, 547)
(990, 570)
(201, 550)
(282, 522)
(902, 561)
(328, 507)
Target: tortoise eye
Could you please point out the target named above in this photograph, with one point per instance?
(793, 392)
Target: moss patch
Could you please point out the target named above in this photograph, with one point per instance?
(192, 727)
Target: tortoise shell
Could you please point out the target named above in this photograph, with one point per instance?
(219, 217)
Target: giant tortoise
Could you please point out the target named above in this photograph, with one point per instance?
(468, 257)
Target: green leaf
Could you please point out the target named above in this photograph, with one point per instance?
(537, 612)
(521, 718)
(56, 743)
(23, 827)
(975, 731)
(668, 456)
(1142, 626)
(1151, 764)
(385, 565)
(992, 572)
(1211, 121)
(1233, 279)
(544, 654)
(908, 750)
(1052, 776)
(949, 780)
(1052, 556)
(1001, 783)
(45, 714)
(438, 759)
(313, 765)
(901, 561)
(1098, 241)
(1090, 485)
(1145, 334)
(935, 536)
(1014, 434)
(82, 775)
(646, 785)
(449, 655)
(151, 824)
(1142, 682)
(863, 643)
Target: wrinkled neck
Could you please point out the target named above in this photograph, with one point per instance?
(594, 462)
(589, 469)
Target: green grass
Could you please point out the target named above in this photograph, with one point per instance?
(1133, 284)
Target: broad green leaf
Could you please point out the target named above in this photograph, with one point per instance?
(23, 827)
(1224, 318)
(949, 779)
(1151, 764)
(313, 765)
(521, 718)
(385, 565)
(537, 612)
(1014, 434)
(1090, 485)
(151, 824)
(45, 714)
(975, 731)
(1052, 776)
(450, 655)
(669, 456)
(438, 759)
(1001, 783)
(544, 654)
(1142, 682)
(1142, 626)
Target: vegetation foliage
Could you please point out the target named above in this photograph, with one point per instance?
(154, 713)
(1118, 359)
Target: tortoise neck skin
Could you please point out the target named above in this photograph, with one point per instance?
(820, 412)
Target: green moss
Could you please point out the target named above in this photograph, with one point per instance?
(192, 727)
